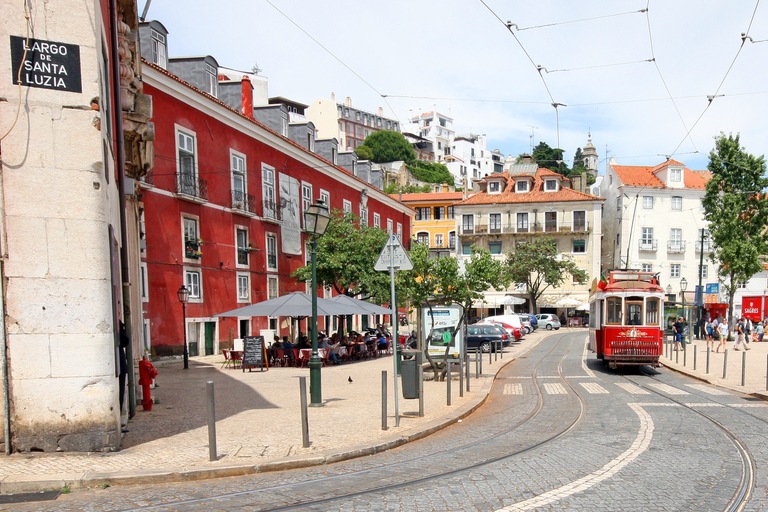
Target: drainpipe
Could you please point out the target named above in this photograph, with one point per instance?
(3, 338)
(120, 147)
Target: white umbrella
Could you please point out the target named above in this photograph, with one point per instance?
(359, 307)
(296, 304)
(568, 302)
(511, 300)
(583, 307)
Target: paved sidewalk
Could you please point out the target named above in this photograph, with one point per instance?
(258, 423)
(754, 361)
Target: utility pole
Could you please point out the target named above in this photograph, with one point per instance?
(532, 135)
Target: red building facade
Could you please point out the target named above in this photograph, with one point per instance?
(223, 211)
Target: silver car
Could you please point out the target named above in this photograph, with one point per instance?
(526, 323)
(548, 320)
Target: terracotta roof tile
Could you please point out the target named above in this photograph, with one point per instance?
(535, 195)
(644, 176)
(429, 196)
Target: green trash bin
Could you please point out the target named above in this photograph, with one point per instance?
(409, 373)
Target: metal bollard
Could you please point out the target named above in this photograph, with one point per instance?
(212, 452)
(725, 361)
(448, 380)
(461, 377)
(466, 368)
(685, 355)
(743, 367)
(304, 416)
(490, 354)
(501, 351)
(694, 358)
(677, 356)
(383, 399)
(709, 351)
(480, 358)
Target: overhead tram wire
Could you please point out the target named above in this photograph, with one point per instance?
(329, 52)
(744, 37)
(520, 29)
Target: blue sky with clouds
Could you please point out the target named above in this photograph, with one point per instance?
(459, 58)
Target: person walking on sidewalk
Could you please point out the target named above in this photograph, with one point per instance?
(708, 332)
(722, 333)
(739, 331)
(677, 329)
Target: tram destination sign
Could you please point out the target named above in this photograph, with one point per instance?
(47, 64)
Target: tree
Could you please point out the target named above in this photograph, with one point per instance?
(395, 188)
(735, 208)
(431, 172)
(387, 146)
(551, 158)
(578, 161)
(535, 263)
(442, 281)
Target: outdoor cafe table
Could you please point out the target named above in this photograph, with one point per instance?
(306, 353)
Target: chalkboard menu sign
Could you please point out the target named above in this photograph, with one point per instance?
(253, 352)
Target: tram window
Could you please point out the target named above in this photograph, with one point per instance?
(634, 311)
(613, 310)
(652, 311)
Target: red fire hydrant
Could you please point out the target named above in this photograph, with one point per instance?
(147, 372)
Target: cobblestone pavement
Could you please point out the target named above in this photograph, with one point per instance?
(556, 433)
(258, 423)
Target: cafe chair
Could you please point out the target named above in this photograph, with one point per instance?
(227, 359)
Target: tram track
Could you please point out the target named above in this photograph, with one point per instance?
(746, 483)
(321, 503)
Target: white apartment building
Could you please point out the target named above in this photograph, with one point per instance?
(654, 220)
(527, 202)
(435, 127)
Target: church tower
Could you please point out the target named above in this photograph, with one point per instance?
(590, 157)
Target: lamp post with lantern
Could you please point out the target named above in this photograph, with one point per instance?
(316, 219)
(183, 294)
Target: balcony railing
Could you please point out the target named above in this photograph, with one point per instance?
(525, 228)
(676, 246)
(647, 245)
(270, 210)
(707, 247)
(148, 178)
(191, 185)
(434, 245)
(243, 202)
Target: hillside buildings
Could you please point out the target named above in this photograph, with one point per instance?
(346, 123)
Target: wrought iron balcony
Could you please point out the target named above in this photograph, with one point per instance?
(676, 246)
(707, 246)
(192, 186)
(271, 210)
(647, 245)
(243, 202)
(148, 178)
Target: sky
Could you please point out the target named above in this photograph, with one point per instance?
(648, 79)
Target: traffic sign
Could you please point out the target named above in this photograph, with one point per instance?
(393, 256)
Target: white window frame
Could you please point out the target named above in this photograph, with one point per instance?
(648, 202)
(271, 246)
(144, 282)
(192, 274)
(677, 202)
(646, 267)
(269, 191)
(439, 240)
(325, 197)
(646, 237)
(238, 168)
(521, 186)
(704, 271)
(674, 270)
(377, 220)
(676, 238)
(518, 217)
(363, 216)
(399, 231)
(547, 184)
(243, 287)
(273, 287)
(346, 205)
(195, 238)
(306, 199)
(390, 226)
(244, 247)
(159, 49)
(212, 82)
(183, 137)
(491, 225)
(494, 187)
(573, 246)
(676, 175)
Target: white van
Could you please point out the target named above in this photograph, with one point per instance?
(513, 320)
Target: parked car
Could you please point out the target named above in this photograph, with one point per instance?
(549, 321)
(534, 321)
(484, 336)
(526, 323)
(515, 333)
(512, 320)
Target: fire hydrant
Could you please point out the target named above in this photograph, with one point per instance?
(147, 372)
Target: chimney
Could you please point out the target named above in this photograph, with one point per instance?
(464, 187)
(247, 98)
(380, 112)
(445, 186)
(333, 97)
(348, 102)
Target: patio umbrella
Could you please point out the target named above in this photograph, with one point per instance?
(296, 304)
(511, 300)
(359, 307)
(568, 302)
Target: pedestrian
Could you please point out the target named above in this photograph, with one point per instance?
(677, 329)
(759, 330)
(747, 331)
(708, 329)
(740, 331)
(722, 333)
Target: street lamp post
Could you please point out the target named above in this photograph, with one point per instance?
(316, 219)
(183, 294)
(683, 287)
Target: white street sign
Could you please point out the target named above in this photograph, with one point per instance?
(395, 251)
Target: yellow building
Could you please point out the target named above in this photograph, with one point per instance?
(434, 224)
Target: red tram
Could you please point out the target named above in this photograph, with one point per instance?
(625, 318)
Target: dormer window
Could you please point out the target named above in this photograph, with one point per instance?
(550, 185)
(522, 186)
(212, 80)
(676, 175)
(494, 187)
(159, 53)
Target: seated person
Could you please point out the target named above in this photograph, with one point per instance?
(635, 320)
(324, 344)
(287, 345)
(382, 342)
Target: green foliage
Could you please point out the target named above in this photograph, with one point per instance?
(364, 152)
(578, 160)
(387, 146)
(431, 172)
(345, 257)
(395, 188)
(551, 158)
(736, 212)
(535, 263)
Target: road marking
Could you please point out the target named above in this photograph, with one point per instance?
(704, 404)
(749, 405)
(594, 388)
(632, 389)
(641, 443)
(584, 358)
(513, 389)
(708, 389)
(555, 388)
(664, 388)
